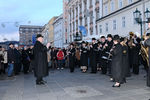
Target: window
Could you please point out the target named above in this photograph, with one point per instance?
(91, 17)
(120, 3)
(106, 27)
(97, 14)
(114, 25)
(90, 2)
(100, 28)
(112, 5)
(123, 22)
(130, 1)
(106, 10)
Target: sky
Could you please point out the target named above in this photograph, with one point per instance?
(25, 12)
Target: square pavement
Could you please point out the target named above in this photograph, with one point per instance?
(62, 85)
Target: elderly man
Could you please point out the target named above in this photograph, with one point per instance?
(40, 60)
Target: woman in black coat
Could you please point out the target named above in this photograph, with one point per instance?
(117, 62)
(40, 60)
(84, 57)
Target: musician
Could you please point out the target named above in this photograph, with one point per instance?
(117, 62)
(134, 49)
(93, 54)
(109, 45)
(136, 57)
(71, 53)
(125, 60)
(131, 46)
(84, 57)
(147, 44)
(99, 56)
(104, 54)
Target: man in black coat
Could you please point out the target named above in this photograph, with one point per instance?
(40, 60)
(17, 62)
(11, 59)
(147, 44)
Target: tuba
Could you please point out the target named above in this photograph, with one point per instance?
(144, 51)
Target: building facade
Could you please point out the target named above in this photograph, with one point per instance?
(48, 31)
(26, 33)
(102, 17)
(65, 22)
(58, 32)
(117, 17)
(83, 13)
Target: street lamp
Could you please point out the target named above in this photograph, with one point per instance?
(137, 16)
(147, 14)
(77, 37)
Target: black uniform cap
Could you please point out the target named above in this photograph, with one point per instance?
(116, 37)
(39, 35)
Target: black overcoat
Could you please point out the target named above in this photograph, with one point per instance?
(117, 63)
(125, 61)
(93, 55)
(84, 57)
(40, 60)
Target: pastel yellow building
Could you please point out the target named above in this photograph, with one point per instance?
(48, 31)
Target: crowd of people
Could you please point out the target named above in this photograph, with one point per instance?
(115, 56)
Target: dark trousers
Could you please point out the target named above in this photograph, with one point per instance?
(60, 63)
(26, 67)
(39, 79)
(17, 68)
(104, 66)
(135, 68)
(109, 67)
(148, 78)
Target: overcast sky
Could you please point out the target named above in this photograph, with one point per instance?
(32, 12)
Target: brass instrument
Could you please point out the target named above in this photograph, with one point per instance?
(144, 51)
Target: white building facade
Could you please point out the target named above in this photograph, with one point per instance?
(83, 13)
(58, 32)
(118, 17)
(102, 17)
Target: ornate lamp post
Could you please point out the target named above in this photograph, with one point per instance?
(137, 16)
(77, 37)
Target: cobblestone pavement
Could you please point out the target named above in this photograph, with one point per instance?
(62, 85)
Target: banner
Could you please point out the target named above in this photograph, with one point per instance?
(83, 30)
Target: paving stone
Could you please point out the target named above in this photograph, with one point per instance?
(62, 85)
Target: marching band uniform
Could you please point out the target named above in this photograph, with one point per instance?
(136, 56)
(84, 57)
(93, 55)
(147, 44)
(72, 58)
(108, 48)
(104, 55)
(125, 60)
